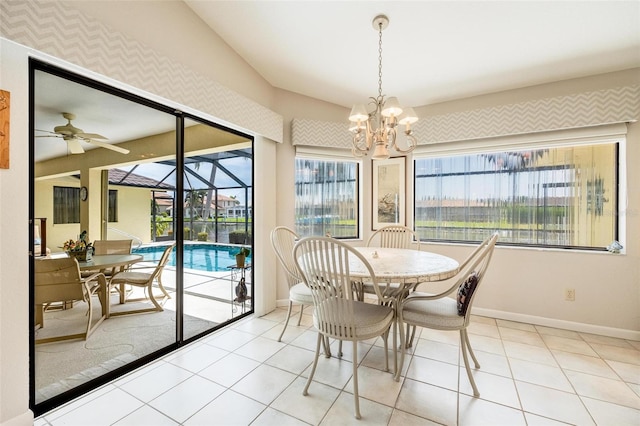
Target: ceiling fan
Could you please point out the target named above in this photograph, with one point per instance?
(73, 135)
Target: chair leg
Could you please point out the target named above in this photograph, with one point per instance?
(327, 347)
(161, 287)
(355, 379)
(473, 356)
(410, 335)
(385, 336)
(315, 364)
(463, 344)
(300, 317)
(396, 324)
(287, 321)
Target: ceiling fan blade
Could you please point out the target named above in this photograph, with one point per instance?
(48, 136)
(91, 136)
(74, 146)
(108, 146)
(46, 131)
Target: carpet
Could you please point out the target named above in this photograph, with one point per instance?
(61, 366)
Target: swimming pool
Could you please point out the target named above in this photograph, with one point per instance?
(203, 257)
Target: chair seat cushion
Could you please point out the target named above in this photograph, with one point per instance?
(465, 292)
(370, 320)
(439, 313)
(300, 293)
(130, 277)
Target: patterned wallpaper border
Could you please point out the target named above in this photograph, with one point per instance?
(616, 105)
(68, 34)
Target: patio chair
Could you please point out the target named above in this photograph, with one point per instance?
(437, 311)
(102, 247)
(145, 280)
(59, 280)
(283, 239)
(324, 265)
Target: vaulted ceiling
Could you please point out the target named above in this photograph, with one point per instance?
(433, 51)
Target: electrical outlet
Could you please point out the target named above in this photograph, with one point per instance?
(570, 294)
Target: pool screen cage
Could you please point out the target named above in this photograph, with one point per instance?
(217, 200)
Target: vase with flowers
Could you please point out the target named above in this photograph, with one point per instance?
(81, 248)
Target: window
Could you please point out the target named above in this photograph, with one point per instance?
(66, 205)
(563, 196)
(326, 198)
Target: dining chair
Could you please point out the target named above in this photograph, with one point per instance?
(391, 236)
(437, 311)
(394, 236)
(282, 240)
(410, 335)
(145, 280)
(323, 263)
(59, 280)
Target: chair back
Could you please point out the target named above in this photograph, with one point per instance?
(163, 261)
(477, 263)
(57, 280)
(112, 246)
(283, 240)
(323, 263)
(394, 236)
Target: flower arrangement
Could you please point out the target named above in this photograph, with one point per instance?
(81, 244)
(80, 248)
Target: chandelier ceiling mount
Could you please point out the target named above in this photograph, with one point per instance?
(378, 128)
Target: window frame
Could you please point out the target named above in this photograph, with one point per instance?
(73, 202)
(335, 157)
(605, 134)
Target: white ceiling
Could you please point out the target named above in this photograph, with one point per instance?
(433, 51)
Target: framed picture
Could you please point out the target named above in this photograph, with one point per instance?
(388, 198)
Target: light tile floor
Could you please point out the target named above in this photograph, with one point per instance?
(530, 375)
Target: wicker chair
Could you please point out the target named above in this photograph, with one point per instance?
(324, 265)
(440, 312)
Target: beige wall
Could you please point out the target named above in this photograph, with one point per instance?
(135, 199)
(522, 284)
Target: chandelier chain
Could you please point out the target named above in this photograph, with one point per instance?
(380, 60)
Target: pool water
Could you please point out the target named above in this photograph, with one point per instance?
(203, 257)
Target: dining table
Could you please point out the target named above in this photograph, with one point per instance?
(107, 261)
(398, 271)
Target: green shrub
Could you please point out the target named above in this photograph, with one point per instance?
(202, 236)
(239, 237)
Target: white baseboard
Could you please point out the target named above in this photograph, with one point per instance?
(620, 333)
(24, 419)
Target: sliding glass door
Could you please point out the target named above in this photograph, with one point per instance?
(114, 167)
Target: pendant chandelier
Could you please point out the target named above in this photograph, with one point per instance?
(378, 128)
